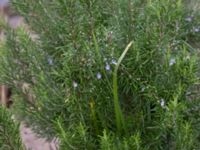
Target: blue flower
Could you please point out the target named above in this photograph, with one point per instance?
(143, 89)
(196, 29)
(75, 84)
(162, 103)
(99, 76)
(188, 19)
(50, 61)
(107, 67)
(172, 61)
(114, 62)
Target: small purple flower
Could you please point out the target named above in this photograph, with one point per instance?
(143, 89)
(114, 62)
(172, 61)
(107, 67)
(99, 76)
(75, 84)
(188, 19)
(162, 102)
(50, 61)
(196, 29)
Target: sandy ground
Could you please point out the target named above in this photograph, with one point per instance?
(29, 139)
(32, 142)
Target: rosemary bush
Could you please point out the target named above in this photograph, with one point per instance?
(109, 74)
(9, 132)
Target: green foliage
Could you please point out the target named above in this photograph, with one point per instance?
(9, 132)
(95, 91)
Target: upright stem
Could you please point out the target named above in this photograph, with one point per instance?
(118, 112)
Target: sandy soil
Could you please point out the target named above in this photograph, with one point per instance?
(31, 141)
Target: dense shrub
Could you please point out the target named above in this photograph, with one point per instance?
(109, 74)
(9, 132)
